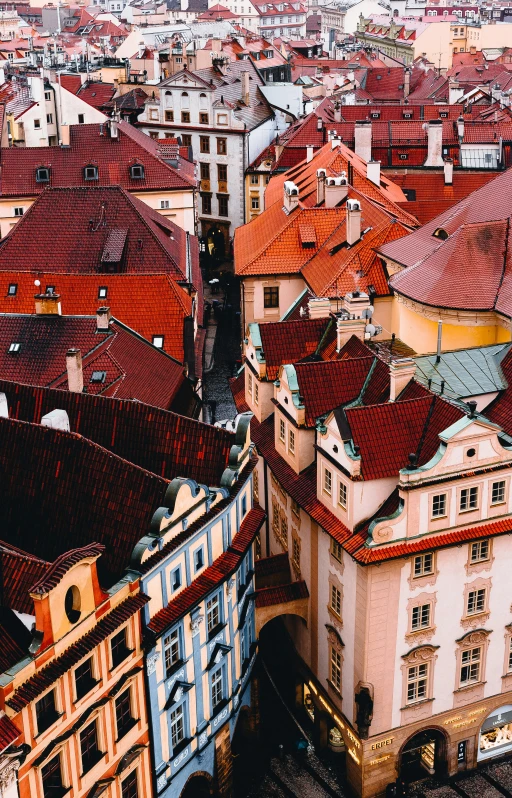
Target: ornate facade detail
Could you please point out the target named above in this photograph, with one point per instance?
(8, 775)
(195, 623)
(151, 662)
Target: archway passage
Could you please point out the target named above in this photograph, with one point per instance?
(197, 787)
(424, 755)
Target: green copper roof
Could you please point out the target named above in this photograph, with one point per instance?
(467, 372)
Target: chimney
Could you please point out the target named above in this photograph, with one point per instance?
(48, 304)
(4, 407)
(336, 190)
(246, 97)
(103, 316)
(320, 186)
(407, 82)
(363, 139)
(65, 139)
(319, 123)
(335, 141)
(74, 369)
(337, 112)
(401, 372)
(353, 221)
(309, 153)
(319, 307)
(448, 171)
(114, 132)
(57, 419)
(460, 128)
(373, 172)
(435, 143)
(291, 196)
(346, 328)
(356, 303)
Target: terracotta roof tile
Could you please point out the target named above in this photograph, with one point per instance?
(8, 732)
(290, 341)
(269, 596)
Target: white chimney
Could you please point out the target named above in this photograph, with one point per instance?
(103, 316)
(142, 48)
(246, 97)
(319, 307)
(346, 328)
(65, 138)
(407, 82)
(363, 139)
(335, 141)
(291, 196)
(319, 123)
(57, 419)
(401, 372)
(309, 153)
(448, 171)
(435, 143)
(353, 221)
(74, 369)
(336, 190)
(4, 407)
(355, 303)
(320, 186)
(460, 128)
(337, 112)
(373, 172)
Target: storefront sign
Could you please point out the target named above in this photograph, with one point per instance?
(379, 759)
(382, 743)
(354, 756)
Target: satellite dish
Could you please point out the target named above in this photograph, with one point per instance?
(37, 283)
(371, 329)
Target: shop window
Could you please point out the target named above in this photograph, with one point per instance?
(498, 492)
(327, 481)
(479, 551)
(271, 297)
(342, 497)
(172, 650)
(468, 499)
(309, 705)
(439, 505)
(496, 733)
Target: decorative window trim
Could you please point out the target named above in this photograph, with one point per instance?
(336, 619)
(334, 642)
(426, 579)
(476, 619)
(480, 565)
(507, 670)
(339, 564)
(473, 639)
(423, 654)
(425, 635)
(296, 544)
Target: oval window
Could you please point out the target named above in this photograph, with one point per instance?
(72, 604)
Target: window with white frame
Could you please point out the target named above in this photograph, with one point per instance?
(213, 613)
(439, 505)
(327, 481)
(470, 665)
(177, 726)
(291, 441)
(256, 393)
(171, 650)
(282, 430)
(336, 668)
(479, 551)
(498, 492)
(336, 550)
(342, 497)
(423, 564)
(420, 617)
(476, 601)
(217, 688)
(417, 682)
(165, 204)
(19, 211)
(335, 604)
(468, 499)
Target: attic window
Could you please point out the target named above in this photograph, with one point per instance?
(42, 174)
(379, 77)
(137, 172)
(158, 341)
(12, 290)
(375, 115)
(98, 376)
(407, 114)
(91, 173)
(440, 233)
(443, 114)
(14, 348)
(102, 292)
(403, 156)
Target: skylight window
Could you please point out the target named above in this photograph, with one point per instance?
(158, 341)
(98, 376)
(137, 172)
(12, 290)
(42, 174)
(102, 292)
(91, 172)
(14, 348)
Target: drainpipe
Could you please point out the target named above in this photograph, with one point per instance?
(267, 524)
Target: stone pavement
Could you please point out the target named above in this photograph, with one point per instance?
(493, 780)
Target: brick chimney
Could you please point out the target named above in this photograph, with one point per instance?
(363, 139)
(75, 372)
(320, 186)
(48, 304)
(346, 328)
(319, 307)
(353, 210)
(401, 373)
(246, 97)
(291, 196)
(103, 316)
(435, 143)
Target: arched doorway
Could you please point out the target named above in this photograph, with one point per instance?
(424, 755)
(198, 786)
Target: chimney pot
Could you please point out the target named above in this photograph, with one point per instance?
(48, 304)
(320, 186)
(319, 307)
(74, 369)
(353, 224)
(291, 196)
(336, 190)
(103, 316)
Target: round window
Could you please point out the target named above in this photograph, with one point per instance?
(471, 452)
(72, 604)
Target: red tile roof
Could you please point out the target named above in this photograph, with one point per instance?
(290, 341)
(269, 596)
(152, 305)
(61, 566)
(96, 93)
(500, 411)
(92, 145)
(8, 732)
(161, 442)
(19, 571)
(387, 433)
(213, 576)
(48, 675)
(154, 244)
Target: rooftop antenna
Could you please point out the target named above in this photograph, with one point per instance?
(439, 338)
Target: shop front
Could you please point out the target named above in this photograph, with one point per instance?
(495, 736)
(424, 755)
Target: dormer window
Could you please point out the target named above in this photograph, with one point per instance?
(137, 172)
(12, 289)
(42, 174)
(14, 348)
(440, 233)
(91, 173)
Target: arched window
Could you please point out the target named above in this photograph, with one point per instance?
(185, 100)
(168, 99)
(203, 102)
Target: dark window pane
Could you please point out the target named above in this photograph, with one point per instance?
(124, 717)
(84, 678)
(271, 297)
(89, 747)
(52, 779)
(46, 711)
(129, 786)
(119, 648)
